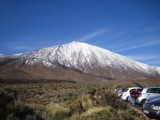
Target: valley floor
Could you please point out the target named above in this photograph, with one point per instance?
(68, 101)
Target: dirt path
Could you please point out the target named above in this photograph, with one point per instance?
(138, 110)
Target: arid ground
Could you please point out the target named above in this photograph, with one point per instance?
(68, 101)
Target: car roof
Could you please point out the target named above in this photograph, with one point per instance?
(134, 88)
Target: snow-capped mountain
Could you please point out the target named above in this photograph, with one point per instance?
(89, 60)
(81, 55)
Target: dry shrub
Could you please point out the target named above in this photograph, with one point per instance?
(57, 112)
(95, 110)
(100, 98)
(107, 113)
(76, 107)
(95, 113)
(88, 101)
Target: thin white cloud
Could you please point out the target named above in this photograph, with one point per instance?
(149, 57)
(139, 46)
(123, 34)
(91, 35)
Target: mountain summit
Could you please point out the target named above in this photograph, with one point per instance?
(75, 61)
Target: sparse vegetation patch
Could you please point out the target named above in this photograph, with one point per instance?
(66, 101)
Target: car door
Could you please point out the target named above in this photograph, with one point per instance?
(157, 91)
(152, 92)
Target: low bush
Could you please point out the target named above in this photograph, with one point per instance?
(102, 104)
(10, 109)
(57, 112)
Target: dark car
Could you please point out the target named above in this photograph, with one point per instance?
(152, 107)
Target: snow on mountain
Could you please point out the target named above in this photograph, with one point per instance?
(11, 56)
(1, 55)
(156, 69)
(82, 56)
(19, 54)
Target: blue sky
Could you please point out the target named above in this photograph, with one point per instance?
(127, 27)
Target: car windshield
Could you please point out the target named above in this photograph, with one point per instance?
(126, 90)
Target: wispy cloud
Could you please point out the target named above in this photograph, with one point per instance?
(151, 59)
(91, 35)
(122, 34)
(136, 36)
(151, 43)
(145, 57)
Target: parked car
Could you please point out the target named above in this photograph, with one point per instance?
(153, 98)
(116, 90)
(151, 107)
(126, 93)
(120, 91)
(147, 93)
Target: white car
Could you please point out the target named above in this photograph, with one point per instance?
(120, 91)
(147, 93)
(126, 93)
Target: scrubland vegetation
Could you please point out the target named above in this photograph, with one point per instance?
(66, 101)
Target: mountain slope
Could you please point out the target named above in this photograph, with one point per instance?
(83, 60)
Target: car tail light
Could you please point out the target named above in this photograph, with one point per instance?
(140, 95)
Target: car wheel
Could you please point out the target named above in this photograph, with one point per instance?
(127, 99)
(142, 102)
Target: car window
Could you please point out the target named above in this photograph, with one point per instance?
(150, 90)
(125, 90)
(153, 90)
(158, 89)
(139, 90)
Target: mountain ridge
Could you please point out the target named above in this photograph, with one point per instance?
(89, 59)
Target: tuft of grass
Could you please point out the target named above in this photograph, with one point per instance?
(96, 113)
(57, 112)
(94, 110)
(106, 113)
